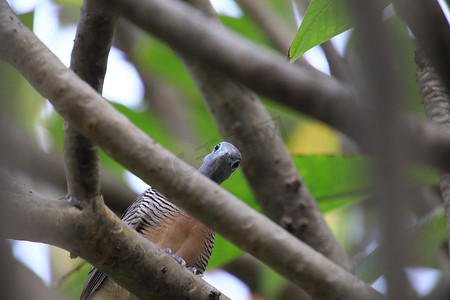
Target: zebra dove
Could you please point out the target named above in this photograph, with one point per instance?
(171, 228)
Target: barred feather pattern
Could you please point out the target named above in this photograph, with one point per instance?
(151, 210)
(168, 226)
(148, 209)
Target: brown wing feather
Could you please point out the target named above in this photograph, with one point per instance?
(168, 226)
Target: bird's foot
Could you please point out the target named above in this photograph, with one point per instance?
(195, 271)
(182, 262)
(176, 257)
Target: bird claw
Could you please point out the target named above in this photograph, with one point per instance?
(195, 271)
(182, 262)
(176, 257)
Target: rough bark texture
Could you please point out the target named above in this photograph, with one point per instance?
(268, 167)
(206, 201)
(431, 30)
(89, 57)
(436, 100)
(102, 239)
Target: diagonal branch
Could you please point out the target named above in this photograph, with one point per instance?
(101, 238)
(302, 89)
(206, 201)
(268, 166)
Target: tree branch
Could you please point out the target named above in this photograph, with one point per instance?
(102, 239)
(89, 57)
(268, 166)
(431, 30)
(23, 154)
(379, 87)
(302, 89)
(206, 201)
(436, 100)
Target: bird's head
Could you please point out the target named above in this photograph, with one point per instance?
(221, 162)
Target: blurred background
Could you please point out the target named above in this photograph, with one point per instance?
(149, 84)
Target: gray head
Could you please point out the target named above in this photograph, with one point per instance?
(221, 162)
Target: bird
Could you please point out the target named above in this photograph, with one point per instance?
(171, 228)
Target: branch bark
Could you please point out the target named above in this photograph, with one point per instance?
(23, 154)
(102, 239)
(436, 100)
(302, 89)
(206, 201)
(89, 57)
(431, 30)
(268, 166)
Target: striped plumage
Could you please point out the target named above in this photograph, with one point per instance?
(168, 226)
(152, 215)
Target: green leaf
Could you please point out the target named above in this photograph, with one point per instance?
(246, 27)
(27, 19)
(323, 20)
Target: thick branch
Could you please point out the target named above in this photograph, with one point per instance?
(103, 240)
(268, 166)
(430, 27)
(300, 88)
(206, 201)
(89, 57)
(436, 100)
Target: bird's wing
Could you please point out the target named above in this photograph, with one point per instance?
(94, 279)
(146, 211)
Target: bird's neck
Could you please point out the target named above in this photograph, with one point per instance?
(211, 174)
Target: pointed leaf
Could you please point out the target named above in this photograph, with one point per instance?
(323, 20)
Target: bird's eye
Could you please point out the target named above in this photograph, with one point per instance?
(217, 147)
(235, 165)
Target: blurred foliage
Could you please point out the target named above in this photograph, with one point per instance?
(427, 236)
(247, 28)
(337, 182)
